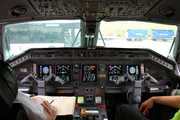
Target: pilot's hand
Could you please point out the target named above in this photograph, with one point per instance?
(54, 112)
(50, 109)
(146, 106)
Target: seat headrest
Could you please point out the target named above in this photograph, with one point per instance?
(8, 87)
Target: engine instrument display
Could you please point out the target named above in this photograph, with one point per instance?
(114, 72)
(89, 73)
(63, 71)
(134, 71)
(44, 71)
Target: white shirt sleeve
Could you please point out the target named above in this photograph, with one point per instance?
(33, 110)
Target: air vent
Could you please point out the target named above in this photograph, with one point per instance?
(167, 12)
(18, 10)
(20, 60)
(160, 61)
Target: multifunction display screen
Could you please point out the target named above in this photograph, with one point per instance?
(63, 71)
(44, 71)
(134, 71)
(114, 72)
(89, 73)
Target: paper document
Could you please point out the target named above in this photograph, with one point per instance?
(65, 105)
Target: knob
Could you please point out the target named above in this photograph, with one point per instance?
(75, 72)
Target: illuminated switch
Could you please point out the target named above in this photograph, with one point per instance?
(46, 7)
(76, 106)
(111, 9)
(83, 112)
(120, 9)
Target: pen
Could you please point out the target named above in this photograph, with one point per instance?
(51, 101)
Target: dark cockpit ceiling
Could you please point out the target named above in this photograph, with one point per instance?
(90, 10)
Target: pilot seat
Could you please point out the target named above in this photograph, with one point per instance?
(9, 108)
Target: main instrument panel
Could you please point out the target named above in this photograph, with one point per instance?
(90, 66)
(91, 74)
(87, 65)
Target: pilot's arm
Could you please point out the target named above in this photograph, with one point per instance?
(172, 101)
(37, 108)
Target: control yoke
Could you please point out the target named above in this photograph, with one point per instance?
(27, 78)
(145, 76)
(34, 77)
(57, 79)
(42, 84)
(135, 99)
(122, 78)
(150, 78)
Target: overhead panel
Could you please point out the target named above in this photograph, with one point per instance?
(93, 10)
(71, 8)
(129, 8)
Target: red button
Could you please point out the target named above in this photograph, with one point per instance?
(76, 106)
(46, 7)
(101, 106)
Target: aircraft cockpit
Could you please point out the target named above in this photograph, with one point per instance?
(105, 53)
